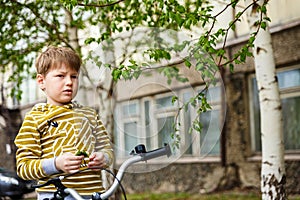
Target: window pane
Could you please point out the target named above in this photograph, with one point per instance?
(130, 131)
(164, 102)
(214, 94)
(147, 124)
(165, 128)
(187, 125)
(256, 116)
(210, 134)
(288, 79)
(291, 125)
(130, 109)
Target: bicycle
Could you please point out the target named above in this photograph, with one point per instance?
(138, 154)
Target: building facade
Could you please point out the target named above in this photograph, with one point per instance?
(227, 153)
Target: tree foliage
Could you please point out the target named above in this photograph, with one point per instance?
(28, 26)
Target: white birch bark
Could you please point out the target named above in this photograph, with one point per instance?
(72, 31)
(273, 169)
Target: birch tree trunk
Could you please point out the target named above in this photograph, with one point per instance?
(273, 170)
(72, 31)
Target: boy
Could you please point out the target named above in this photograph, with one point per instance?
(54, 131)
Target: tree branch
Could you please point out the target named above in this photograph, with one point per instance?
(99, 6)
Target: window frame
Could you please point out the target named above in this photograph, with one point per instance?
(283, 93)
(156, 113)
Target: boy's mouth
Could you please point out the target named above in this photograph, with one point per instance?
(68, 91)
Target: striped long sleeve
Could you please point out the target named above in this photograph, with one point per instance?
(29, 151)
(49, 131)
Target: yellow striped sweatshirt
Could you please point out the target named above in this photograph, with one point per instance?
(49, 131)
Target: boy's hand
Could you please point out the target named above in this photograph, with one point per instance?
(97, 159)
(68, 162)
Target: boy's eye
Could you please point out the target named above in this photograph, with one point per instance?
(75, 76)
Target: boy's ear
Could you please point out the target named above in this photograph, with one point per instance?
(40, 81)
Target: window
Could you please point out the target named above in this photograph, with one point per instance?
(165, 113)
(209, 139)
(127, 132)
(165, 127)
(187, 122)
(150, 120)
(148, 123)
(210, 135)
(289, 88)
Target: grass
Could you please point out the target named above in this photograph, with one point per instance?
(217, 196)
(185, 196)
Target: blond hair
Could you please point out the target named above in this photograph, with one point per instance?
(54, 56)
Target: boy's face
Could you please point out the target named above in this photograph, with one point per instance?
(60, 84)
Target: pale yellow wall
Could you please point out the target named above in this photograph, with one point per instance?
(281, 13)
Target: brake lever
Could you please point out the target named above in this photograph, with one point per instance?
(60, 193)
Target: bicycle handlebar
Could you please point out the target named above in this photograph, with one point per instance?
(139, 154)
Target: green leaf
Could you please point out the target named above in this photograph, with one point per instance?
(116, 74)
(107, 65)
(263, 9)
(79, 153)
(231, 67)
(263, 25)
(197, 126)
(267, 19)
(187, 63)
(174, 99)
(89, 40)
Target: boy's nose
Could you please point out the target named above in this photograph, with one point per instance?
(69, 80)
